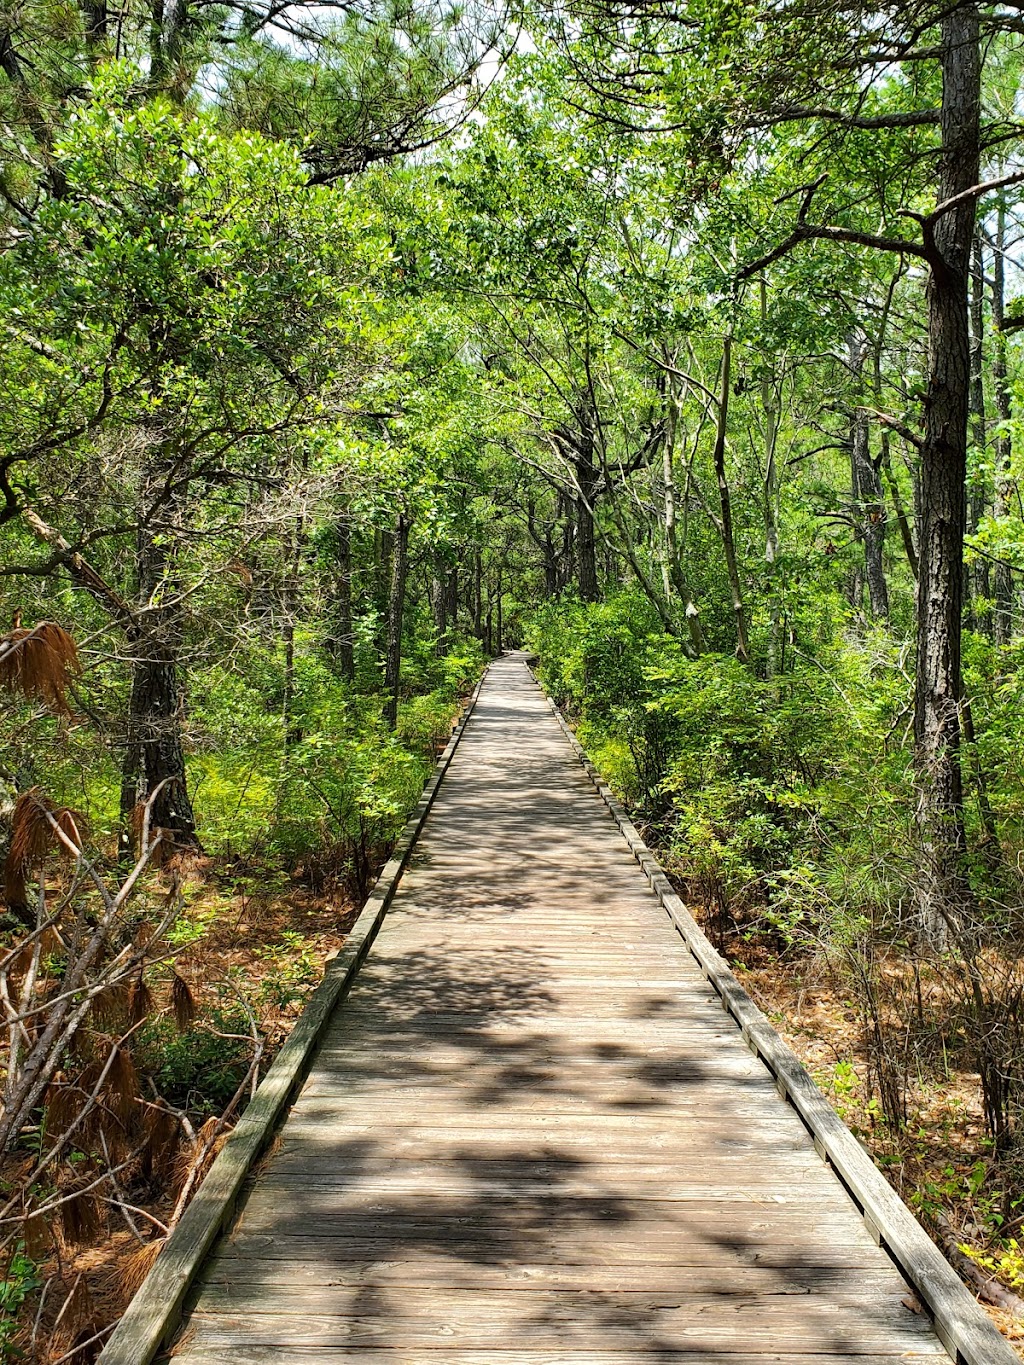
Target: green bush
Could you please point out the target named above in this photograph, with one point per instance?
(772, 799)
(199, 1069)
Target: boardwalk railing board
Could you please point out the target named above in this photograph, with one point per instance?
(962, 1325)
(155, 1311)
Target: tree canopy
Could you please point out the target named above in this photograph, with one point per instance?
(346, 345)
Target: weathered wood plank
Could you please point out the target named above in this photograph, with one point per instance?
(716, 1125)
(327, 1162)
(474, 1249)
(616, 1138)
(726, 1324)
(667, 1070)
(155, 1309)
(444, 1272)
(534, 1134)
(465, 1106)
(199, 1354)
(551, 1221)
(339, 1192)
(415, 1304)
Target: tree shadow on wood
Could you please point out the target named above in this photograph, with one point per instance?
(409, 1213)
(491, 1162)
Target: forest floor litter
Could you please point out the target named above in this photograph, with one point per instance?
(941, 1163)
(263, 936)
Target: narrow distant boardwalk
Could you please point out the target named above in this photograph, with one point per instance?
(532, 1136)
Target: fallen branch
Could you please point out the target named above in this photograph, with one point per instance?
(987, 1287)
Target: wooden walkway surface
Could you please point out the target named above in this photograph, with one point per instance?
(532, 1137)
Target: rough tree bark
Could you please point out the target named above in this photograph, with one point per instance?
(542, 534)
(154, 759)
(937, 724)
(577, 446)
(154, 756)
(444, 602)
(396, 612)
(868, 498)
(979, 578)
(725, 504)
(1002, 623)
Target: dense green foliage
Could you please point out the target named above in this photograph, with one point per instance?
(688, 364)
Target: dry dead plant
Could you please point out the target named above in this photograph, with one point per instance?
(73, 1117)
(39, 663)
(76, 962)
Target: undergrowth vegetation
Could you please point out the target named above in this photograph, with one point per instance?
(783, 808)
(692, 362)
(145, 995)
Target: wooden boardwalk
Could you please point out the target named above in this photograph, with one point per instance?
(532, 1137)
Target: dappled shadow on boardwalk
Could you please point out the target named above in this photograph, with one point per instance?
(532, 1136)
(470, 1165)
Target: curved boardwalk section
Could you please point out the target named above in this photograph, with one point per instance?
(532, 1137)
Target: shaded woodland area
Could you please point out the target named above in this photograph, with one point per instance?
(343, 347)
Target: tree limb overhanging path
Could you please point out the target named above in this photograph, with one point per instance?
(532, 1136)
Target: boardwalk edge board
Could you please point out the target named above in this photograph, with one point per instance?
(961, 1324)
(155, 1311)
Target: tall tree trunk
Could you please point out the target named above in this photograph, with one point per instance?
(725, 504)
(542, 533)
(576, 443)
(550, 553)
(868, 498)
(770, 406)
(979, 578)
(157, 761)
(937, 692)
(94, 30)
(153, 768)
(1002, 577)
(673, 574)
(343, 637)
(396, 612)
(444, 603)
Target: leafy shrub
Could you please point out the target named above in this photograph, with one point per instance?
(201, 1068)
(21, 1280)
(765, 793)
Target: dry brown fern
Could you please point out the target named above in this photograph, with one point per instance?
(39, 664)
(140, 1000)
(134, 1269)
(121, 1090)
(32, 836)
(163, 1134)
(79, 1211)
(110, 1007)
(182, 1003)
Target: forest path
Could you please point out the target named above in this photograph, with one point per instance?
(532, 1136)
